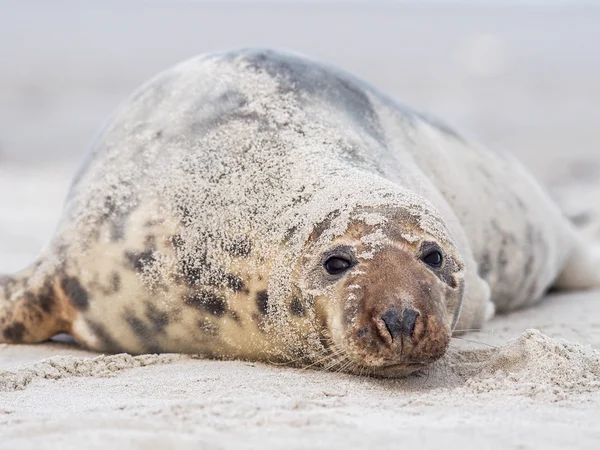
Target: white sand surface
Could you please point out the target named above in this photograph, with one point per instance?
(532, 392)
(522, 79)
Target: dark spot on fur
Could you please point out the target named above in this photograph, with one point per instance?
(216, 277)
(115, 282)
(31, 304)
(185, 215)
(158, 134)
(14, 332)
(502, 257)
(520, 203)
(529, 249)
(289, 234)
(397, 220)
(207, 301)
(235, 98)
(260, 321)
(235, 316)
(150, 241)
(117, 230)
(581, 219)
(108, 209)
(530, 291)
(217, 109)
(241, 247)
(75, 292)
(300, 199)
(323, 225)
(297, 308)
(225, 113)
(363, 332)
(159, 319)
(153, 223)
(144, 333)
(234, 283)
(107, 343)
(208, 327)
(47, 298)
(485, 265)
(177, 241)
(7, 283)
(140, 260)
(262, 302)
(116, 209)
(190, 272)
(29, 300)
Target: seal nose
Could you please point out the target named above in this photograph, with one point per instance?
(400, 322)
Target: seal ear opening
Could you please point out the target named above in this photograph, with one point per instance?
(28, 314)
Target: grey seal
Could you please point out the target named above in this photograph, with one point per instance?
(260, 205)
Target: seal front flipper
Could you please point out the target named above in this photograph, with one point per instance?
(477, 307)
(32, 307)
(582, 269)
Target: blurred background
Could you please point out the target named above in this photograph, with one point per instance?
(520, 75)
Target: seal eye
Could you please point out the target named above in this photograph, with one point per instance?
(336, 265)
(433, 258)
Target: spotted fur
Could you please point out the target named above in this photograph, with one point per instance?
(204, 213)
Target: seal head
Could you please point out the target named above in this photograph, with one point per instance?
(388, 292)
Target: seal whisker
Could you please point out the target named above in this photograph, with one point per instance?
(330, 367)
(338, 362)
(361, 370)
(348, 364)
(286, 363)
(473, 330)
(474, 341)
(323, 358)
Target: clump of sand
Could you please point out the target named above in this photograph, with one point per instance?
(537, 365)
(59, 367)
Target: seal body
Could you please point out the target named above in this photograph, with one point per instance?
(257, 204)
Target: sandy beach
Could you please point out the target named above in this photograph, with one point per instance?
(519, 78)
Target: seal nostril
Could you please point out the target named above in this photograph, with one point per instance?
(400, 323)
(409, 320)
(393, 322)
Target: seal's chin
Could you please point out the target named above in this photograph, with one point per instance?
(394, 370)
(359, 363)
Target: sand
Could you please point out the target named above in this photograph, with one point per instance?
(530, 379)
(532, 392)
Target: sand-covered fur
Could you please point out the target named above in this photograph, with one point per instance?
(206, 212)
